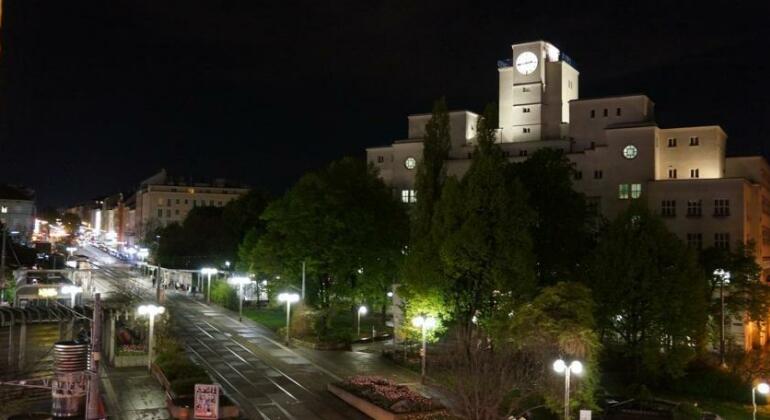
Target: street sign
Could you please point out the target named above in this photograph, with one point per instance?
(585, 414)
(206, 401)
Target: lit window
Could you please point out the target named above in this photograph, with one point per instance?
(623, 191)
(408, 196)
(672, 142)
(4, 209)
(694, 141)
(672, 173)
(636, 190)
(721, 207)
(694, 173)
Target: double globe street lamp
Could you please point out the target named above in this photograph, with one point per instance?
(208, 271)
(72, 291)
(560, 366)
(361, 311)
(150, 311)
(763, 388)
(240, 282)
(424, 323)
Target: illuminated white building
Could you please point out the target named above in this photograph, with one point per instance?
(620, 155)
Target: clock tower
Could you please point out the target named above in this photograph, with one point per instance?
(536, 86)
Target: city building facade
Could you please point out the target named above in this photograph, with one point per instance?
(619, 153)
(17, 212)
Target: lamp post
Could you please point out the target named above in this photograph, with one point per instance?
(239, 281)
(289, 298)
(424, 323)
(361, 311)
(561, 367)
(150, 311)
(724, 278)
(762, 388)
(208, 271)
(71, 250)
(72, 291)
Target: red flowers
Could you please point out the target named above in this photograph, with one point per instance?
(388, 395)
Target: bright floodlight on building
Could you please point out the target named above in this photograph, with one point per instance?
(240, 282)
(72, 291)
(424, 323)
(150, 311)
(289, 298)
(208, 272)
(560, 366)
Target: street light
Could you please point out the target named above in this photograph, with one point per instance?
(724, 278)
(424, 323)
(71, 250)
(150, 311)
(763, 388)
(239, 281)
(208, 271)
(561, 367)
(361, 311)
(72, 291)
(289, 298)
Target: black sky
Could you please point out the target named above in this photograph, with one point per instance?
(98, 95)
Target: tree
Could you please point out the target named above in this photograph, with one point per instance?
(347, 227)
(71, 222)
(482, 224)
(563, 229)
(650, 295)
(559, 323)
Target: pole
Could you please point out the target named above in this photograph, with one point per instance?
(92, 407)
(208, 289)
(358, 334)
(72, 300)
(722, 331)
(151, 342)
(424, 352)
(2, 258)
(240, 302)
(303, 280)
(566, 393)
(754, 401)
(288, 316)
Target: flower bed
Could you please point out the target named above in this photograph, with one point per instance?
(398, 399)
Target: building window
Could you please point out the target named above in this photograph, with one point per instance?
(522, 153)
(176, 212)
(672, 173)
(220, 203)
(593, 113)
(617, 112)
(168, 212)
(623, 191)
(525, 89)
(721, 207)
(672, 142)
(160, 201)
(569, 84)
(185, 201)
(177, 201)
(694, 141)
(168, 202)
(636, 191)
(598, 174)
(195, 203)
(525, 130)
(380, 159)
(408, 196)
(695, 240)
(694, 208)
(722, 240)
(668, 208)
(525, 110)
(578, 174)
(694, 173)
(470, 155)
(160, 212)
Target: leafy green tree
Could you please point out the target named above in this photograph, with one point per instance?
(483, 223)
(650, 294)
(348, 228)
(563, 229)
(559, 323)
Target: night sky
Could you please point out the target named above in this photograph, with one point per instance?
(98, 95)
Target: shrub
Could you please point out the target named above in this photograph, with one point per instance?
(687, 411)
(702, 380)
(388, 395)
(224, 295)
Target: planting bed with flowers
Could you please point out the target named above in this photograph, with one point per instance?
(388, 395)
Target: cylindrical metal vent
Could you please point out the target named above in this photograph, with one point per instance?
(68, 389)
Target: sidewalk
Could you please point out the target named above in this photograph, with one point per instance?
(133, 394)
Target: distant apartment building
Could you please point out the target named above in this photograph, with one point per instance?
(162, 199)
(17, 211)
(619, 153)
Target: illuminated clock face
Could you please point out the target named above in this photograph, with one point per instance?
(526, 62)
(630, 151)
(410, 163)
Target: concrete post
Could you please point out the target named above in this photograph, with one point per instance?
(111, 340)
(10, 343)
(22, 343)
